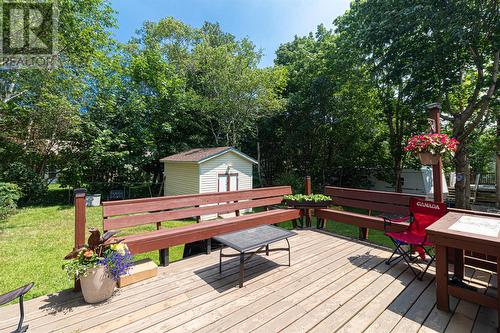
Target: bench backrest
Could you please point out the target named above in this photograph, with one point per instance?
(379, 201)
(134, 212)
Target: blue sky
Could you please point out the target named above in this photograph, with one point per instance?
(268, 23)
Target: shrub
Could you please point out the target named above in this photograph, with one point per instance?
(31, 185)
(9, 195)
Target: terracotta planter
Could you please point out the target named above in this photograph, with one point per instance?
(97, 286)
(428, 158)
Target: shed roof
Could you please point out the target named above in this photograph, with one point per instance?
(200, 155)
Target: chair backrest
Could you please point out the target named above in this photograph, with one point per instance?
(134, 212)
(424, 214)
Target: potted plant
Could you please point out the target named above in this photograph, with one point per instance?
(310, 200)
(430, 147)
(98, 265)
(93, 200)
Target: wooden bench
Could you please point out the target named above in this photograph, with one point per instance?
(131, 213)
(375, 203)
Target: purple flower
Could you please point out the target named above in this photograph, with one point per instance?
(117, 264)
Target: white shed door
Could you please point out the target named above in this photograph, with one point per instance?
(228, 182)
(233, 182)
(223, 183)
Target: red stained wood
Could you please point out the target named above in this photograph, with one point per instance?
(401, 199)
(477, 262)
(135, 220)
(472, 212)
(129, 213)
(360, 220)
(122, 207)
(80, 219)
(371, 205)
(473, 296)
(307, 185)
(165, 238)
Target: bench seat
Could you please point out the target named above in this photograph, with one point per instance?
(165, 238)
(374, 203)
(360, 220)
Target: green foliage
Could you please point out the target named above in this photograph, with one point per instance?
(308, 198)
(32, 187)
(335, 104)
(482, 150)
(9, 195)
(79, 266)
(427, 51)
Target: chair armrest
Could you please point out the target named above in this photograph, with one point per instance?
(395, 221)
(12, 295)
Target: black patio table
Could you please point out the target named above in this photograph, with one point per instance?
(253, 239)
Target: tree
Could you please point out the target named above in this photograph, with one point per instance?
(331, 121)
(40, 108)
(433, 51)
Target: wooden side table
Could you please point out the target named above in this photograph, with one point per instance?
(470, 237)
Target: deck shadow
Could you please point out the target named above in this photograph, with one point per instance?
(367, 260)
(68, 300)
(228, 279)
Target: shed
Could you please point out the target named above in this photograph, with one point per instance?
(202, 170)
(415, 181)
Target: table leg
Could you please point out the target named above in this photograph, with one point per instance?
(498, 293)
(267, 249)
(443, 302)
(289, 253)
(458, 266)
(242, 268)
(220, 260)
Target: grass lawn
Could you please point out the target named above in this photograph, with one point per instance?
(34, 241)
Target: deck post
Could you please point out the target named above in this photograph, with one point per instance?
(80, 218)
(307, 186)
(80, 221)
(437, 170)
(307, 191)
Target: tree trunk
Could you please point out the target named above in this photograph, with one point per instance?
(498, 162)
(398, 185)
(462, 179)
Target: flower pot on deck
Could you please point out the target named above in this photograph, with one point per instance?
(97, 286)
(428, 158)
(93, 200)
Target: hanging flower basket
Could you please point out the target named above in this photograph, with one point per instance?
(428, 158)
(430, 147)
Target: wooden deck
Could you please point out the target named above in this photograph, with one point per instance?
(334, 284)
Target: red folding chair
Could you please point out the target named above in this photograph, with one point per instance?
(422, 214)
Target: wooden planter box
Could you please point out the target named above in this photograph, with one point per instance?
(306, 204)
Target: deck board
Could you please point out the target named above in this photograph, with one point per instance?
(335, 284)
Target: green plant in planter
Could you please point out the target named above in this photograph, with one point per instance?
(115, 256)
(316, 198)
